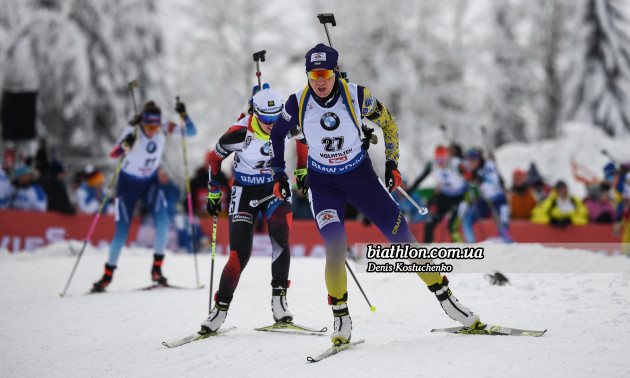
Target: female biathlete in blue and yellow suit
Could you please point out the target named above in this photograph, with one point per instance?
(339, 171)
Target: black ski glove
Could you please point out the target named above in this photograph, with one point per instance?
(128, 142)
(180, 108)
(281, 187)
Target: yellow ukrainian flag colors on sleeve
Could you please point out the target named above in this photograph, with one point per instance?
(376, 112)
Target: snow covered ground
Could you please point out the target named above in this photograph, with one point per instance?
(120, 333)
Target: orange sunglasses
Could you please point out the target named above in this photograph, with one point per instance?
(326, 74)
(152, 126)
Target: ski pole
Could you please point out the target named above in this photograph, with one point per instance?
(214, 244)
(132, 85)
(191, 219)
(324, 19)
(372, 308)
(259, 56)
(255, 203)
(422, 210)
(110, 187)
(92, 226)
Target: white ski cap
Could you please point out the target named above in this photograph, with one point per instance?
(267, 102)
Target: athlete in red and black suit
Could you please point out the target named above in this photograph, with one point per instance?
(248, 139)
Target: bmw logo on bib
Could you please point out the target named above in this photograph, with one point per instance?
(329, 121)
(151, 147)
(265, 149)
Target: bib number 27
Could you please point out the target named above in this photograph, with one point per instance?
(332, 144)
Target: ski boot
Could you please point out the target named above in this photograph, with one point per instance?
(279, 308)
(343, 322)
(453, 307)
(217, 315)
(156, 271)
(100, 286)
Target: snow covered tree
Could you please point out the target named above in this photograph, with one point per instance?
(46, 55)
(214, 62)
(411, 59)
(80, 55)
(552, 31)
(512, 76)
(602, 68)
(211, 63)
(123, 44)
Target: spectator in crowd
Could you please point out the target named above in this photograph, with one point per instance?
(522, 201)
(77, 180)
(171, 191)
(90, 192)
(27, 195)
(8, 156)
(540, 189)
(41, 159)
(5, 189)
(600, 206)
(560, 209)
(619, 179)
(55, 187)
